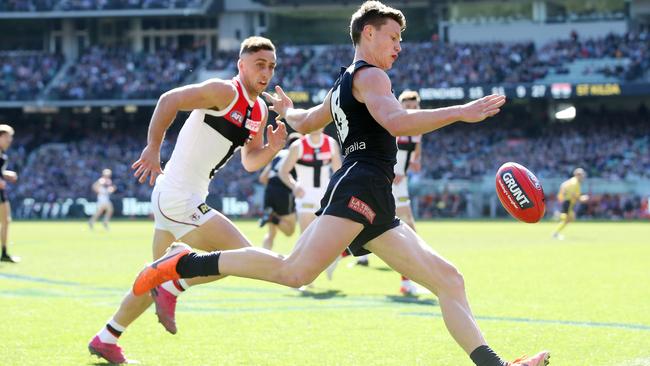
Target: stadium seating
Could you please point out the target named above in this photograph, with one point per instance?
(608, 145)
(113, 73)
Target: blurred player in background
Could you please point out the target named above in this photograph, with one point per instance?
(6, 137)
(104, 187)
(314, 157)
(567, 197)
(226, 115)
(409, 153)
(279, 206)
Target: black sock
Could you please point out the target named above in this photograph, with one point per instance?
(4, 251)
(116, 333)
(195, 265)
(485, 356)
(274, 219)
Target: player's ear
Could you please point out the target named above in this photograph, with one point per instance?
(240, 65)
(368, 31)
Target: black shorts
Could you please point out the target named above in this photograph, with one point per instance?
(279, 199)
(3, 196)
(362, 193)
(566, 206)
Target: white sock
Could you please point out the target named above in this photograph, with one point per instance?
(172, 289)
(106, 336)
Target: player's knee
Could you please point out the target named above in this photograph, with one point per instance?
(297, 279)
(453, 279)
(291, 230)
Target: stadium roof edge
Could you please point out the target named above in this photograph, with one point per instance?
(59, 14)
(100, 13)
(37, 104)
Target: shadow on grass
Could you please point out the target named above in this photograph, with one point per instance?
(383, 269)
(412, 300)
(323, 295)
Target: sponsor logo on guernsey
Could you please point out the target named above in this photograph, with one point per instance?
(361, 207)
(195, 217)
(355, 146)
(253, 125)
(235, 115)
(512, 189)
(204, 208)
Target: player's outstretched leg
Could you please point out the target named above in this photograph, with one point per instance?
(403, 250)
(315, 250)
(216, 233)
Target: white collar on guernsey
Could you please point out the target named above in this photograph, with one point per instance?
(243, 88)
(322, 141)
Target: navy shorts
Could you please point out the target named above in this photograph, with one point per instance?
(279, 199)
(3, 196)
(361, 192)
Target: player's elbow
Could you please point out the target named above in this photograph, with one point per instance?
(395, 128)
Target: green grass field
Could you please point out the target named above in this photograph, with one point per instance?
(587, 299)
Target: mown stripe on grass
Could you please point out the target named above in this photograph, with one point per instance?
(642, 327)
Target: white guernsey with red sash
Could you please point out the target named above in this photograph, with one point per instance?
(209, 138)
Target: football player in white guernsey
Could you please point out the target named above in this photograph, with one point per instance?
(409, 153)
(104, 187)
(6, 138)
(313, 168)
(359, 212)
(226, 115)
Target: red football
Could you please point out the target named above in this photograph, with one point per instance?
(520, 192)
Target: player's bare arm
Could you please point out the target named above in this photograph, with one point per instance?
(373, 88)
(209, 94)
(256, 154)
(336, 157)
(96, 186)
(284, 173)
(301, 120)
(415, 164)
(10, 176)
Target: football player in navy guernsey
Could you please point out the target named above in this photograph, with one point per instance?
(226, 115)
(358, 209)
(279, 208)
(6, 137)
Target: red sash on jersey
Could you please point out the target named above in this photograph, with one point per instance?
(310, 155)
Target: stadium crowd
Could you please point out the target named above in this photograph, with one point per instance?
(608, 145)
(25, 74)
(118, 73)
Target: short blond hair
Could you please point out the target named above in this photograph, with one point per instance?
(409, 95)
(254, 44)
(376, 14)
(4, 128)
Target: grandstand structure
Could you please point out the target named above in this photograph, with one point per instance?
(79, 79)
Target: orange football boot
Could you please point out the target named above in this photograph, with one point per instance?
(160, 271)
